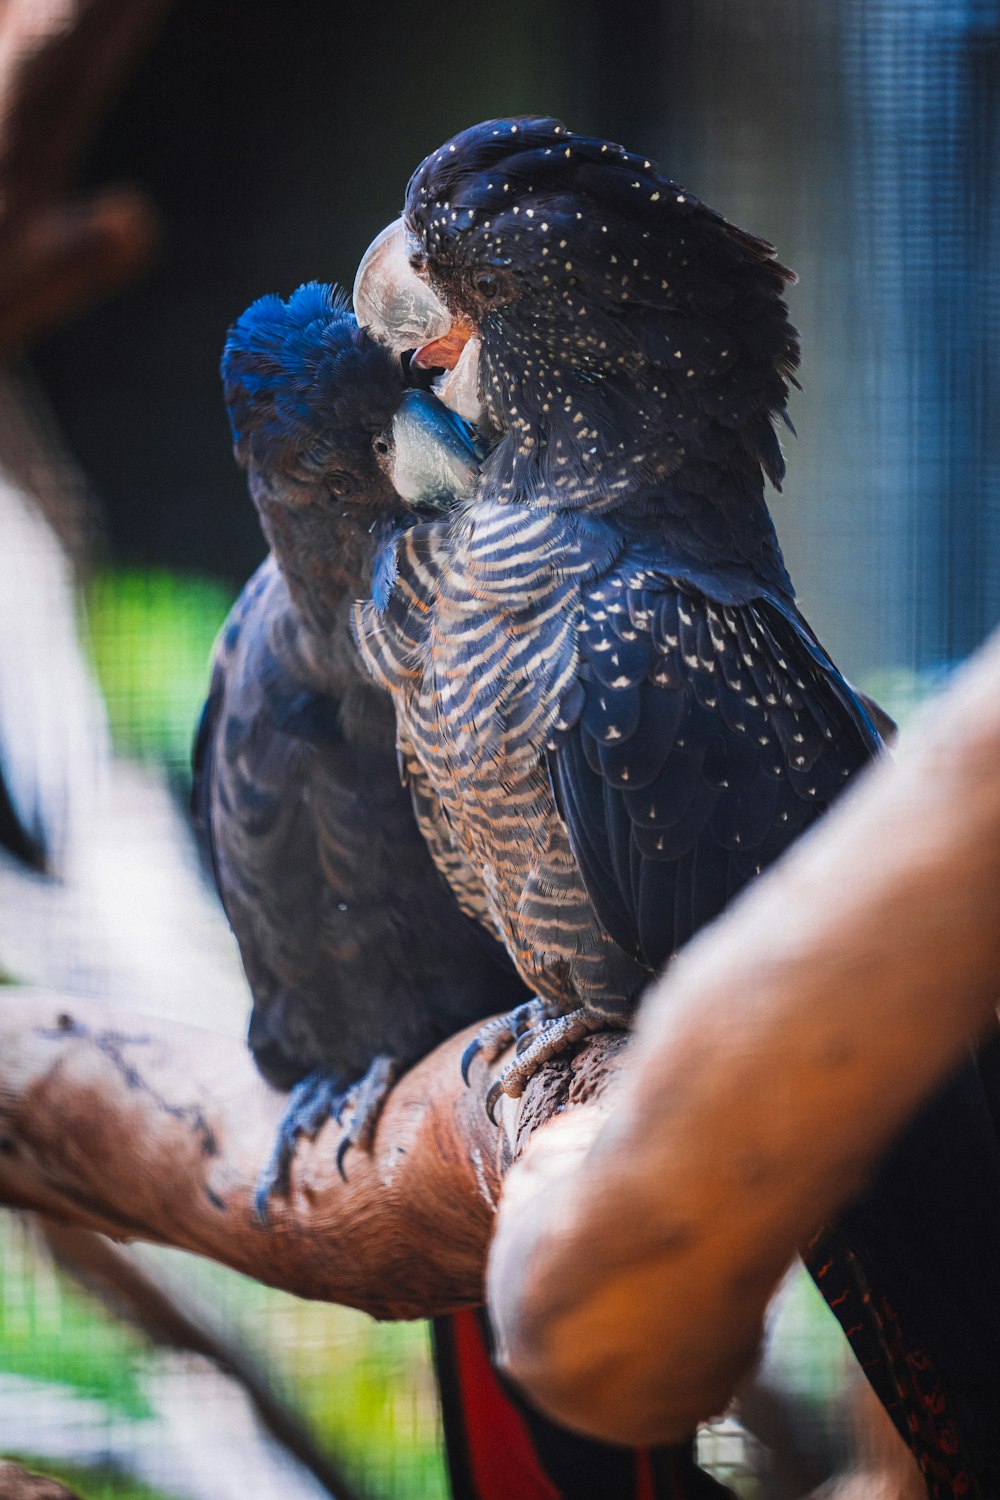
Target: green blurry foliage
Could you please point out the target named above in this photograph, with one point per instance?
(151, 634)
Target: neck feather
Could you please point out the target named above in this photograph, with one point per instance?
(637, 450)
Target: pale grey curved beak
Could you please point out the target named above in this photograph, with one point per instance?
(400, 310)
(390, 300)
(433, 459)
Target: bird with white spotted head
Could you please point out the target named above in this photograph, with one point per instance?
(601, 671)
(620, 324)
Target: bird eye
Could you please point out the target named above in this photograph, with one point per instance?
(381, 445)
(418, 261)
(339, 483)
(486, 284)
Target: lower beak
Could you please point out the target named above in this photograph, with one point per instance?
(445, 353)
(436, 458)
(459, 387)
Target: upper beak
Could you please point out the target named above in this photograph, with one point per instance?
(445, 353)
(401, 310)
(392, 302)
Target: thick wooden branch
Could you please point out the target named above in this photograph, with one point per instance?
(634, 1258)
(160, 1133)
(643, 1229)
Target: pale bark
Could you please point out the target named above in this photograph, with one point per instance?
(160, 1132)
(17, 1484)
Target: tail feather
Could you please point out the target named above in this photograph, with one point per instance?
(911, 1272)
(497, 1446)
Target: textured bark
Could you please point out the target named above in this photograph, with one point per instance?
(60, 62)
(159, 1132)
(644, 1228)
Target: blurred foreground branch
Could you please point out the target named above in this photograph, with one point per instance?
(637, 1247)
(17, 1484)
(180, 1321)
(60, 62)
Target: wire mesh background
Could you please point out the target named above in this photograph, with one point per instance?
(862, 139)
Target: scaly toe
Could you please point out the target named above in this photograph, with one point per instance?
(274, 1180)
(497, 1035)
(547, 1040)
(367, 1099)
(311, 1102)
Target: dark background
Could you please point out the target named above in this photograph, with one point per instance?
(861, 138)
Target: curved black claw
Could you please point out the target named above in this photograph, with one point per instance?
(471, 1052)
(546, 1040)
(342, 1150)
(268, 1183)
(493, 1098)
(273, 1181)
(311, 1103)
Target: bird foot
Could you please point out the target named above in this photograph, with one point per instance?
(496, 1036)
(365, 1101)
(312, 1101)
(546, 1040)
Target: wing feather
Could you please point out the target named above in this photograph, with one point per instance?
(705, 734)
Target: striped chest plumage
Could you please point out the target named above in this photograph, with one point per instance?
(478, 645)
(617, 741)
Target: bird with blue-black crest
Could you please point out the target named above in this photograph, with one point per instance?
(359, 956)
(600, 669)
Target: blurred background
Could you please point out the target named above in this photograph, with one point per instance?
(274, 141)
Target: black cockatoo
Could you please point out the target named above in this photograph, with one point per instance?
(601, 671)
(358, 956)
(609, 640)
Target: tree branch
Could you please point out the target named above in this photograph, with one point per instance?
(17, 1484)
(159, 1132)
(643, 1230)
(120, 1284)
(60, 62)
